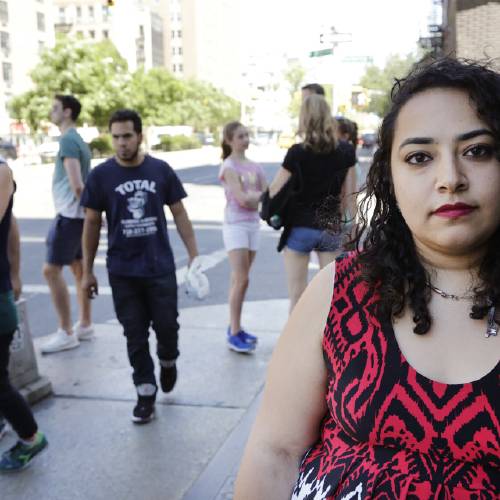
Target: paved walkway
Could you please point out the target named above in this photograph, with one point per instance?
(193, 447)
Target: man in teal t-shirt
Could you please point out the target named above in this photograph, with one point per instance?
(64, 239)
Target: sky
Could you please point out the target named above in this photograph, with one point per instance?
(378, 27)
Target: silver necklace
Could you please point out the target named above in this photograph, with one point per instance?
(449, 295)
(491, 326)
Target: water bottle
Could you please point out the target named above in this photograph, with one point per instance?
(275, 221)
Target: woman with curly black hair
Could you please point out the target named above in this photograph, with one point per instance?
(397, 396)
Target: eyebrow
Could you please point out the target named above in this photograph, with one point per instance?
(462, 137)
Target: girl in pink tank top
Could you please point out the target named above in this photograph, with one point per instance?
(243, 182)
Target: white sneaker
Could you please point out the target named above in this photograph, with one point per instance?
(60, 341)
(83, 332)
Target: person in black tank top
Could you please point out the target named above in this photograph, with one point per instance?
(12, 405)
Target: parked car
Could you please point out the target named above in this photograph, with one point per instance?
(286, 140)
(48, 151)
(8, 150)
(368, 140)
(207, 139)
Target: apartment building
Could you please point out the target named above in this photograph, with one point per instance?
(26, 28)
(136, 27)
(471, 28)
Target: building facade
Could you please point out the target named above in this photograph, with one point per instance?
(471, 28)
(136, 27)
(26, 28)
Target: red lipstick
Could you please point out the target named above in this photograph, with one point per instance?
(454, 211)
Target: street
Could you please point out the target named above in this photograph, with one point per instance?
(193, 448)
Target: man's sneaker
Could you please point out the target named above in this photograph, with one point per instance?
(60, 341)
(236, 343)
(83, 332)
(144, 410)
(22, 454)
(247, 337)
(168, 375)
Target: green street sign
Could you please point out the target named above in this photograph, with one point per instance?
(320, 53)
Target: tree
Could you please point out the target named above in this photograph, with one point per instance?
(155, 95)
(294, 75)
(93, 72)
(379, 81)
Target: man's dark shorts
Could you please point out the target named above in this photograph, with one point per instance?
(64, 241)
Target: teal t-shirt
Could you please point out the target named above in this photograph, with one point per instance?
(71, 145)
(8, 313)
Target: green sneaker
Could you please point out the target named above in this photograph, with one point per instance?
(21, 454)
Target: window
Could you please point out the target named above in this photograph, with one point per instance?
(105, 34)
(7, 72)
(179, 51)
(5, 42)
(179, 33)
(78, 11)
(179, 16)
(141, 31)
(181, 68)
(62, 14)
(174, 68)
(40, 21)
(91, 11)
(105, 12)
(4, 12)
(41, 46)
(173, 51)
(172, 35)
(92, 34)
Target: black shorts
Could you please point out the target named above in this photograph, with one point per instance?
(64, 241)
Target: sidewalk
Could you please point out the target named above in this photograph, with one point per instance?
(193, 447)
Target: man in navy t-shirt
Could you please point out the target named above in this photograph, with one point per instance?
(132, 189)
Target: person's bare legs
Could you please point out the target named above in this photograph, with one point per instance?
(240, 260)
(296, 266)
(60, 295)
(326, 258)
(84, 303)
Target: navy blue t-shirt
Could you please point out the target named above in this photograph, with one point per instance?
(133, 199)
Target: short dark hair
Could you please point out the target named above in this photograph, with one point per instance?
(315, 88)
(127, 115)
(71, 102)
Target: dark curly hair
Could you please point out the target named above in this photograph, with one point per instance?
(387, 253)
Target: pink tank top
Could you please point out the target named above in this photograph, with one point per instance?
(252, 179)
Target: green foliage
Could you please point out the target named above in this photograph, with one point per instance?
(101, 146)
(98, 76)
(294, 75)
(94, 72)
(380, 81)
(177, 143)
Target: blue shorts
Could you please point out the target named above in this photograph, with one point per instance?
(308, 239)
(64, 241)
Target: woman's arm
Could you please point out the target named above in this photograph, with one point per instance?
(247, 200)
(293, 405)
(279, 181)
(349, 196)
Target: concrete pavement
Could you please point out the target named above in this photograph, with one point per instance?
(193, 447)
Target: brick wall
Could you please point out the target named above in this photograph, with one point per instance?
(478, 31)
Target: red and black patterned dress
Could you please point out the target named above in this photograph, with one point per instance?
(390, 432)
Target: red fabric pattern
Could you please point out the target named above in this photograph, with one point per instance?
(390, 432)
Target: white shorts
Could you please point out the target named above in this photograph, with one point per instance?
(241, 235)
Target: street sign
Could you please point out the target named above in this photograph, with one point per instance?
(321, 53)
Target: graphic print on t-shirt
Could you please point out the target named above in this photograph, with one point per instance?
(136, 193)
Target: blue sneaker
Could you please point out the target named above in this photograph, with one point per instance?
(247, 337)
(236, 343)
(21, 454)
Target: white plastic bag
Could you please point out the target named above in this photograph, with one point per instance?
(197, 284)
